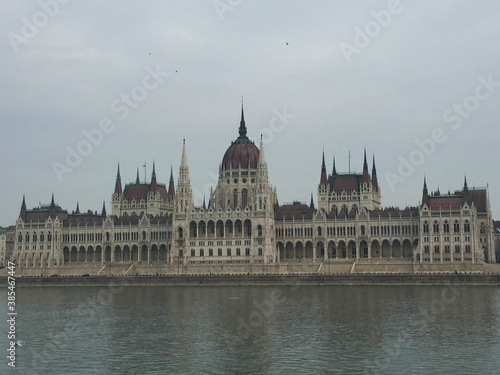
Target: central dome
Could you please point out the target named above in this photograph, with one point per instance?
(242, 153)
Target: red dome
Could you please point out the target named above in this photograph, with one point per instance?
(241, 154)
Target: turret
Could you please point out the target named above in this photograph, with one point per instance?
(118, 183)
(22, 214)
(374, 176)
(323, 179)
(366, 176)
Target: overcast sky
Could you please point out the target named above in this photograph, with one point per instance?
(336, 76)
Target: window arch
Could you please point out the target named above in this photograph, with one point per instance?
(426, 227)
(235, 198)
(259, 230)
(456, 227)
(244, 198)
(180, 233)
(466, 226)
(436, 226)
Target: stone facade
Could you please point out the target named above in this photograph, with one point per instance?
(243, 224)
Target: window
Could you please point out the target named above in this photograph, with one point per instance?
(426, 227)
(193, 252)
(362, 230)
(436, 249)
(247, 252)
(219, 252)
(260, 252)
(180, 232)
(436, 227)
(202, 253)
(244, 198)
(238, 252)
(235, 197)
(228, 252)
(466, 226)
(427, 249)
(457, 249)
(467, 249)
(456, 227)
(259, 230)
(210, 252)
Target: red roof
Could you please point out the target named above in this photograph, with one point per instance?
(140, 191)
(347, 182)
(241, 154)
(294, 211)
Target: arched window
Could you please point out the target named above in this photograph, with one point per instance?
(446, 227)
(456, 227)
(319, 231)
(235, 198)
(143, 235)
(426, 227)
(466, 226)
(244, 198)
(355, 208)
(362, 230)
(436, 227)
(107, 236)
(180, 233)
(27, 238)
(259, 230)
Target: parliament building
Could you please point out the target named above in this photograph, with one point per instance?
(242, 223)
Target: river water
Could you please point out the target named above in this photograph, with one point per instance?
(255, 330)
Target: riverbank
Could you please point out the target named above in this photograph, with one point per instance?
(250, 280)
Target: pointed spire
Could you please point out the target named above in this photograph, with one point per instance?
(425, 191)
(52, 209)
(153, 174)
(118, 184)
(153, 186)
(183, 158)
(77, 208)
(103, 212)
(466, 188)
(171, 185)
(366, 177)
(323, 179)
(137, 180)
(22, 214)
(262, 159)
(243, 128)
(204, 205)
(52, 203)
(311, 205)
(334, 171)
(374, 175)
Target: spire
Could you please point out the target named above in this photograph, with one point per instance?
(153, 185)
(243, 128)
(425, 193)
(153, 174)
(52, 209)
(366, 177)
(118, 184)
(22, 214)
(171, 185)
(311, 205)
(374, 175)
(204, 205)
(334, 172)
(137, 180)
(466, 188)
(183, 158)
(103, 213)
(323, 179)
(77, 208)
(262, 159)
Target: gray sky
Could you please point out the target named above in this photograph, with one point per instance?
(354, 74)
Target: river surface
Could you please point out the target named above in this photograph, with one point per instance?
(255, 330)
